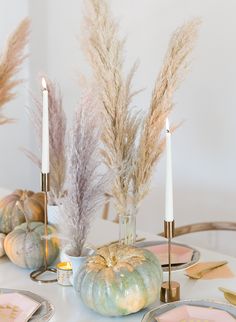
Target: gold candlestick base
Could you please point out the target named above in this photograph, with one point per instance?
(36, 276)
(170, 292)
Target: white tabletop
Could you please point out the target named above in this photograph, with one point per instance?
(68, 306)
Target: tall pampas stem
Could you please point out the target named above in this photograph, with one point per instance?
(11, 59)
(86, 184)
(130, 149)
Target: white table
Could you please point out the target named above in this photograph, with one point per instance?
(68, 306)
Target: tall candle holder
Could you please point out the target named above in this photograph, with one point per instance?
(170, 290)
(36, 276)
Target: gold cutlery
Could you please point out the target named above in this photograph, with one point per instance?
(208, 268)
(229, 295)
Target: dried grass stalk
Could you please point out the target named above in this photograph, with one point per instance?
(133, 156)
(86, 185)
(57, 133)
(151, 143)
(11, 59)
(104, 50)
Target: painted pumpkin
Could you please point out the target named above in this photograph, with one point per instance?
(11, 215)
(25, 248)
(2, 251)
(119, 280)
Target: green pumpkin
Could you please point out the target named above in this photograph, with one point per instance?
(11, 215)
(119, 280)
(25, 248)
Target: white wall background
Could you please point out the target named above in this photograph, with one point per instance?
(204, 148)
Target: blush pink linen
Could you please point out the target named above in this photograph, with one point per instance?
(189, 313)
(179, 254)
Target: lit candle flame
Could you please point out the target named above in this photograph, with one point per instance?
(44, 84)
(64, 266)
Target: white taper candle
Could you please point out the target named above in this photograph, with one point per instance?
(45, 130)
(169, 182)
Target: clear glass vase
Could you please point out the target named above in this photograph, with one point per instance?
(127, 229)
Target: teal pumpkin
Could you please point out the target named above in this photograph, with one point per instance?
(119, 280)
(25, 248)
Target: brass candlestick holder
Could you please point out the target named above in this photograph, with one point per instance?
(170, 290)
(37, 275)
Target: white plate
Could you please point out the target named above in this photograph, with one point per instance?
(45, 311)
(152, 315)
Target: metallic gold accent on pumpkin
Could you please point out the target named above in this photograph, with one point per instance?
(119, 280)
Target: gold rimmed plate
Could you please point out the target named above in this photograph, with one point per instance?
(183, 256)
(185, 310)
(43, 313)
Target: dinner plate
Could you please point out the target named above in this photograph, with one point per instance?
(183, 256)
(17, 307)
(192, 310)
(44, 312)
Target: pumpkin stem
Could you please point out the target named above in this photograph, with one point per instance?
(21, 206)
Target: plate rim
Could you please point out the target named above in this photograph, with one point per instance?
(195, 257)
(190, 302)
(47, 315)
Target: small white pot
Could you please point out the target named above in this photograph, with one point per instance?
(78, 261)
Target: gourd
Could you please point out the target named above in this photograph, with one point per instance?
(2, 251)
(119, 280)
(11, 215)
(25, 247)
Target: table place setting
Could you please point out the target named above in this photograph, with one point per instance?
(23, 306)
(51, 242)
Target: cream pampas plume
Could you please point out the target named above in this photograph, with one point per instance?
(151, 143)
(86, 184)
(130, 149)
(11, 59)
(104, 50)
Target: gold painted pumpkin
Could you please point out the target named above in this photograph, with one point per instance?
(11, 215)
(25, 247)
(119, 280)
(2, 251)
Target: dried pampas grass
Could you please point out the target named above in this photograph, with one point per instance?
(10, 61)
(57, 134)
(151, 143)
(131, 150)
(86, 184)
(104, 50)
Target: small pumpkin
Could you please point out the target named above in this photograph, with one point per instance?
(119, 280)
(25, 247)
(2, 251)
(11, 215)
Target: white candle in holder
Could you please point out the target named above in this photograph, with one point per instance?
(169, 184)
(45, 130)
